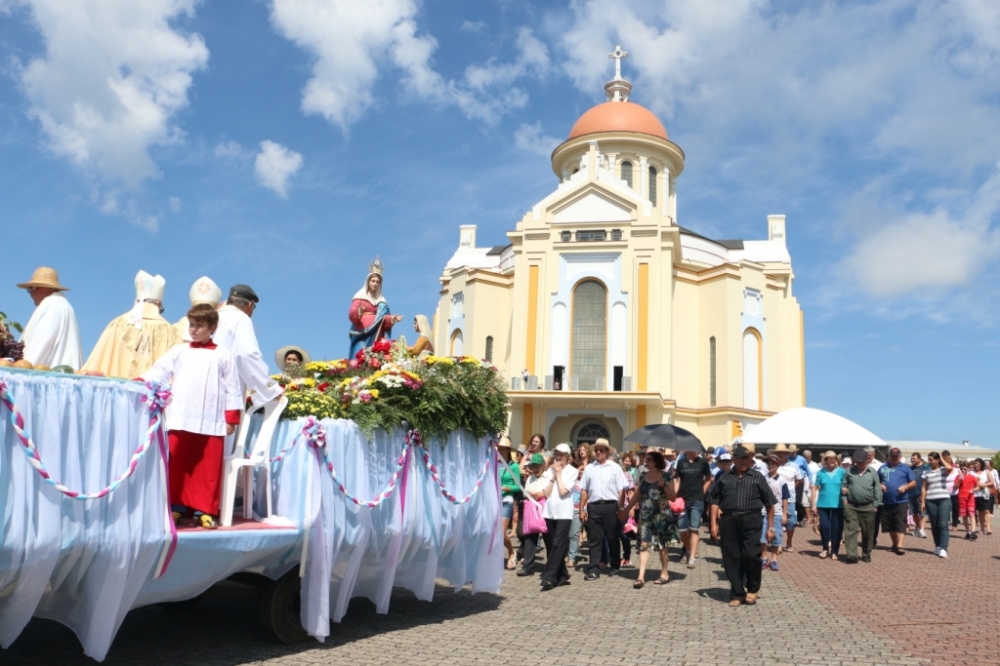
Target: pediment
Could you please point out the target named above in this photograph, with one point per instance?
(592, 205)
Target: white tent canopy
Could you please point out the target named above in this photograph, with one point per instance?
(811, 427)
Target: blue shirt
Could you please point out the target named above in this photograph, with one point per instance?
(918, 474)
(892, 478)
(804, 464)
(828, 485)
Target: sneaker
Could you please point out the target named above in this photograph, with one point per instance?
(922, 534)
(937, 551)
(774, 565)
(691, 562)
(763, 564)
(975, 535)
(590, 576)
(943, 553)
(613, 572)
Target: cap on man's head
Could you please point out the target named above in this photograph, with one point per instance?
(773, 459)
(742, 452)
(243, 291)
(601, 442)
(859, 455)
(725, 456)
(537, 459)
(564, 448)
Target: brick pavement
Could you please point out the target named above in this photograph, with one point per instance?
(944, 610)
(600, 622)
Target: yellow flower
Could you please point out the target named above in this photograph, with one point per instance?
(443, 360)
(309, 382)
(374, 393)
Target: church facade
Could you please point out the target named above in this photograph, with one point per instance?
(606, 315)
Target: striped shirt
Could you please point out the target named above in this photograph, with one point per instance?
(936, 481)
(736, 493)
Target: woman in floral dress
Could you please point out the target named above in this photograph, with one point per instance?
(654, 495)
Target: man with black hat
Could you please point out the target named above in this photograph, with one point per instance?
(235, 333)
(740, 496)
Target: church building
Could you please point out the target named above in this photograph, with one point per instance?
(605, 314)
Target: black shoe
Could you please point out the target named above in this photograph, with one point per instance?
(524, 572)
(866, 558)
(614, 572)
(547, 585)
(851, 560)
(590, 576)
(975, 535)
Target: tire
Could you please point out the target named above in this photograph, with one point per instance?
(281, 602)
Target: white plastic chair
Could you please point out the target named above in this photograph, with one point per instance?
(237, 465)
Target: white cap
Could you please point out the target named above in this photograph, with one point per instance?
(564, 448)
(147, 288)
(726, 456)
(204, 290)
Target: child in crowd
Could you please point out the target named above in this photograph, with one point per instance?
(204, 409)
(779, 486)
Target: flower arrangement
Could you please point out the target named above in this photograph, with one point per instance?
(385, 385)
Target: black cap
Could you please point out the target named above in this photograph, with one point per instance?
(742, 452)
(243, 291)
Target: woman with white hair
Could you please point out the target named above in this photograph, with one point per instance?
(423, 344)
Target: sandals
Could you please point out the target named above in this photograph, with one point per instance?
(661, 581)
(637, 585)
(823, 555)
(511, 563)
(751, 599)
(735, 602)
(207, 522)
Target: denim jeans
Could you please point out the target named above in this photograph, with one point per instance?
(574, 537)
(938, 512)
(831, 528)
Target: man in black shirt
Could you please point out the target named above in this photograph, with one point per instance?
(740, 495)
(692, 477)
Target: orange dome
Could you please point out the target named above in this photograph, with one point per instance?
(618, 117)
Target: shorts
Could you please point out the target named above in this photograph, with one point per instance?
(508, 510)
(894, 517)
(793, 518)
(690, 519)
(779, 531)
(966, 506)
(983, 503)
(915, 508)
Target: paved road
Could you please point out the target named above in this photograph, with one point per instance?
(805, 616)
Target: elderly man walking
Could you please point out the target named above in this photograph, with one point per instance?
(51, 337)
(862, 492)
(602, 494)
(739, 496)
(897, 481)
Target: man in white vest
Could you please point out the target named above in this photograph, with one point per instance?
(51, 337)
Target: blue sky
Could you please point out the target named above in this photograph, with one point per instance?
(284, 143)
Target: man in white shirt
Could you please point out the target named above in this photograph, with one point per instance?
(51, 337)
(235, 333)
(795, 477)
(602, 491)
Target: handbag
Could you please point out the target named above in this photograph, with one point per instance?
(532, 520)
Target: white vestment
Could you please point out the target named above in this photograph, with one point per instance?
(235, 333)
(52, 337)
(203, 385)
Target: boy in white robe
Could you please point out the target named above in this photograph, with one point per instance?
(205, 408)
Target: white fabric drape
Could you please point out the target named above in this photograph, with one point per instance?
(81, 563)
(357, 551)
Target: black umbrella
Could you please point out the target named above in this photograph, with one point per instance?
(667, 436)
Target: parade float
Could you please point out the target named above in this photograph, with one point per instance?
(371, 473)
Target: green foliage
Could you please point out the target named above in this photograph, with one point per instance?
(382, 389)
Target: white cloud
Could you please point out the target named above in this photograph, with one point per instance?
(229, 149)
(351, 41)
(531, 139)
(473, 26)
(175, 203)
(925, 251)
(113, 74)
(274, 165)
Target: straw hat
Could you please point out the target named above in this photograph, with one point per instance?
(44, 277)
(780, 448)
(829, 454)
(279, 356)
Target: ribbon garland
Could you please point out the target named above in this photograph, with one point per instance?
(158, 397)
(448, 495)
(315, 435)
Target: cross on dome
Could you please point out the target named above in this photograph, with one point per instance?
(618, 54)
(618, 89)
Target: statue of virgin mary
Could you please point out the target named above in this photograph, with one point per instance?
(370, 318)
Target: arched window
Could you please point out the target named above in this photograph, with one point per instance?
(627, 173)
(652, 185)
(457, 343)
(590, 432)
(590, 333)
(753, 380)
(711, 371)
(489, 348)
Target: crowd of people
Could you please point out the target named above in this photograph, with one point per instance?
(590, 507)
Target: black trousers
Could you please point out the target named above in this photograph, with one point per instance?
(530, 544)
(739, 540)
(556, 550)
(955, 519)
(602, 521)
